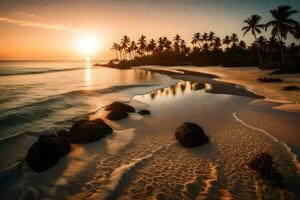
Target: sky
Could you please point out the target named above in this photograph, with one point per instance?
(50, 29)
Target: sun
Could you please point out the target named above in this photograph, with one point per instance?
(87, 44)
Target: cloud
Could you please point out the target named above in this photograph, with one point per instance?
(59, 27)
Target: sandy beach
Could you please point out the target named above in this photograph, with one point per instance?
(142, 160)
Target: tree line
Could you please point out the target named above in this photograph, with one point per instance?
(208, 48)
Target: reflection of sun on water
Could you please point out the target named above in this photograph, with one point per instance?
(88, 73)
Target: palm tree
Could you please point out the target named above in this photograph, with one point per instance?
(226, 41)
(142, 44)
(217, 44)
(272, 46)
(160, 43)
(204, 38)
(167, 43)
(133, 48)
(252, 24)
(262, 43)
(211, 37)
(116, 47)
(196, 39)
(282, 25)
(242, 45)
(151, 46)
(234, 39)
(124, 44)
(177, 40)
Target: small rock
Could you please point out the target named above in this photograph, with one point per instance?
(291, 88)
(191, 135)
(144, 112)
(262, 163)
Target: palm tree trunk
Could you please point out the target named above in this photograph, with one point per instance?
(259, 56)
(281, 51)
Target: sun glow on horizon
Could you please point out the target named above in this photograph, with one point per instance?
(87, 45)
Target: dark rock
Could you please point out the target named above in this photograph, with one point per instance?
(262, 163)
(191, 135)
(47, 136)
(85, 131)
(144, 112)
(117, 115)
(46, 152)
(269, 80)
(120, 107)
(291, 88)
(63, 133)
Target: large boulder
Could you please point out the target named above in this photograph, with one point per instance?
(262, 163)
(117, 115)
(85, 131)
(191, 135)
(144, 112)
(46, 152)
(118, 106)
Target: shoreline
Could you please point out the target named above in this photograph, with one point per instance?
(277, 122)
(246, 77)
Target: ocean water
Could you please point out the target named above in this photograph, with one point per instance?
(39, 95)
(141, 159)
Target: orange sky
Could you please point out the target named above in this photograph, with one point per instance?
(47, 29)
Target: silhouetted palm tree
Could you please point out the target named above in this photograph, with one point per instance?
(196, 39)
(177, 40)
(160, 43)
(217, 44)
(211, 37)
(227, 41)
(151, 46)
(133, 48)
(124, 44)
(167, 43)
(242, 45)
(204, 38)
(142, 44)
(252, 24)
(116, 47)
(282, 24)
(272, 46)
(234, 40)
(262, 43)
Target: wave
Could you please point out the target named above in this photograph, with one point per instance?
(40, 110)
(14, 73)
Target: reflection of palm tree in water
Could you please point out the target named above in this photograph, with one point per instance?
(180, 87)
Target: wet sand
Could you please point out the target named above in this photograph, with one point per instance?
(281, 123)
(247, 76)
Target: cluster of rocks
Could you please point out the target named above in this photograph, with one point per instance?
(119, 111)
(50, 148)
